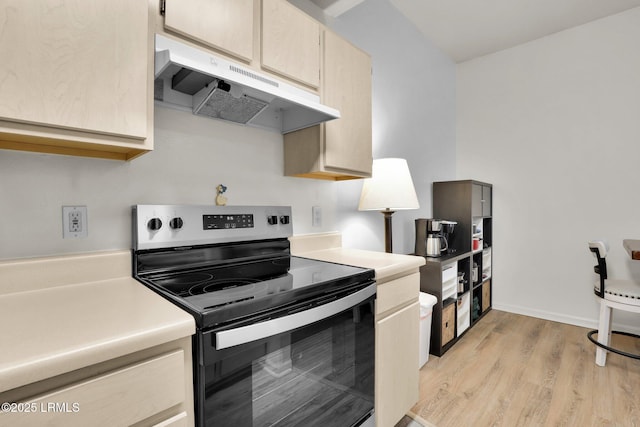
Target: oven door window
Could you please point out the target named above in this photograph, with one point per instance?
(319, 375)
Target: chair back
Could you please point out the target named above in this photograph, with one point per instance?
(600, 249)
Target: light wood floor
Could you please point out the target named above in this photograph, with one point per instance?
(511, 370)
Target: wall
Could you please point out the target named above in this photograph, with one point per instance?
(413, 114)
(553, 124)
(192, 156)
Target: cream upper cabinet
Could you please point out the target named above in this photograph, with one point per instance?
(75, 77)
(290, 42)
(347, 87)
(226, 25)
(341, 148)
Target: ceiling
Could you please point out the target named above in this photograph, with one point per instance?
(465, 29)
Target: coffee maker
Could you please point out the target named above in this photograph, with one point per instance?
(432, 237)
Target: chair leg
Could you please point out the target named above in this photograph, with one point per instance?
(604, 333)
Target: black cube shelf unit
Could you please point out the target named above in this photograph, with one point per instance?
(469, 203)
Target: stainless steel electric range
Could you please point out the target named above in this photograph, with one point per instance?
(281, 340)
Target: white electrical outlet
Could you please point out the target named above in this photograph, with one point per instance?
(74, 222)
(316, 216)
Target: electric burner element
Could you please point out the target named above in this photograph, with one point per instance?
(224, 278)
(201, 283)
(177, 284)
(224, 284)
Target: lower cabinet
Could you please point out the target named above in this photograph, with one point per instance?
(147, 388)
(463, 311)
(397, 323)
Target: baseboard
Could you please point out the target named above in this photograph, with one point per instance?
(563, 318)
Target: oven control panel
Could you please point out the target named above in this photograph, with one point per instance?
(166, 226)
(227, 221)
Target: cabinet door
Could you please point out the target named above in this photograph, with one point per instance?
(290, 42)
(76, 65)
(223, 24)
(481, 200)
(476, 200)
(486, 200)
(347, 87)
(396, 365)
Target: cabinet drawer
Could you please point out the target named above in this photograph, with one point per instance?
(122, 397)
(449, 272)
(397, 292)
(180, 420)
(449, 280)
(448, 323)
(486, 295)
(463, 313)
(486, 263)
(449, 289)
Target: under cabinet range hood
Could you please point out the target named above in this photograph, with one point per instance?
(191, 79)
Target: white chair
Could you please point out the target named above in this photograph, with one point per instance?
(618, 294)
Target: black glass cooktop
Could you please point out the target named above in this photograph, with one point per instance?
(222, 280)
(227, 292)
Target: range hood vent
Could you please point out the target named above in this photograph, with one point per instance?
(191, 79)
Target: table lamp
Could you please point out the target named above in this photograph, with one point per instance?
(389, 189)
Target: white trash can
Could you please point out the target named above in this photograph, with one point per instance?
(427, 301)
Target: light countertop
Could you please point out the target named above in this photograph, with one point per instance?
(53, 327)
(60, 314)
(327, 247)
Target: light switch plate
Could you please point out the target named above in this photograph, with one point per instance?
(74, 222)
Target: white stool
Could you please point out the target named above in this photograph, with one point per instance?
(618, 294)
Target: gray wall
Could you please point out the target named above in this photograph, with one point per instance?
(414, 117)
(553, 124)
(192, 156)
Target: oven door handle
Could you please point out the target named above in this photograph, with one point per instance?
(249, 333)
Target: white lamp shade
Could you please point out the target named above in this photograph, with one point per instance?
(389, 188)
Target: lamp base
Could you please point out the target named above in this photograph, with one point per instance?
(388, 244)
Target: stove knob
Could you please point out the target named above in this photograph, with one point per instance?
(176, 223)
(272, 219)
(154, 224)
(284, 219)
